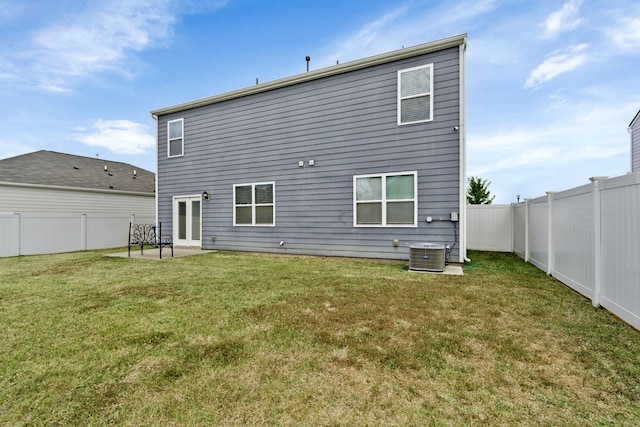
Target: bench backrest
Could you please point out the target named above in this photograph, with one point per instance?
(142, 233)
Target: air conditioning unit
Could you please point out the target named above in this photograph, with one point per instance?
(427, 257)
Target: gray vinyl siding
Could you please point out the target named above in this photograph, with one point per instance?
(347, 124)
(635, 146)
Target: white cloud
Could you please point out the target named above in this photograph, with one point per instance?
(9, 9)
(118, 136)
(407, 26)
(558, 63)
(625, 34)
(572, 143)
(563, 20)
(366, 41)
(98, 39)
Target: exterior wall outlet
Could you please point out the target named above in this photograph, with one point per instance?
(396, 243)
(301, 163)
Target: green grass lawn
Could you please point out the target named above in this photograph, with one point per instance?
(253, 339)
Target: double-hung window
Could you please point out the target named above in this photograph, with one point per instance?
(415, 95)
(253, 204)
(175, 138)
(385, 200)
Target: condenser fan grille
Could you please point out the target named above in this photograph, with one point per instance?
(427, 257)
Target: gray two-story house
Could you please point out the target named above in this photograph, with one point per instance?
(360, 159)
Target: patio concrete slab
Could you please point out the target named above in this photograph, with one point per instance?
(166, 253)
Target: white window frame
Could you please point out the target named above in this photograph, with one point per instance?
(384, 200)
(254, 204)
(169, 139)
(429, 93)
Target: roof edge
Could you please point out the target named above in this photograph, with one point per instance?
(81, 189)
(635, 118)
(358, 64)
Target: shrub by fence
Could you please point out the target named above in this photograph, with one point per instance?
(587, 237)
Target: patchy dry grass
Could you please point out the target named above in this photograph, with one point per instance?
(250, 339)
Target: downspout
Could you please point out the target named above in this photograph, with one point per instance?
(463, 154)
(157, 164)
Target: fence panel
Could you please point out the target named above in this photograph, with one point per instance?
(573, 239)
(46, 234)
(39, 233)
(587, 237)
(489, 228)
(104, 231)
(9, 234)
(620, 199)
(538, 232)
(519, 230)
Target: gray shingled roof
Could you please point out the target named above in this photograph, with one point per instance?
(66, 170)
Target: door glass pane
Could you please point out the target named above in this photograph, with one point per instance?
(400, 187)
(400, 213)
(369, 188)
(369, 213)
(182, 220)
(195, 220)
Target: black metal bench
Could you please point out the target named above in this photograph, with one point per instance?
(148, 235)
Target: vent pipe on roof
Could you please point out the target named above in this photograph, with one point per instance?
(308, 58)
(105, 168)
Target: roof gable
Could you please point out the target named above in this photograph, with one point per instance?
(67, 170)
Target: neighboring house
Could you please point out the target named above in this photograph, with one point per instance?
(55, 202)
(359, 159)
(634, 130)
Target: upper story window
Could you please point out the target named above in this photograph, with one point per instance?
(385, 200)
(253, 204)
(415, 95)
(175, 138)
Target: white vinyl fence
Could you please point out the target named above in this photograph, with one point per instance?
(587, 237)
(40, 233)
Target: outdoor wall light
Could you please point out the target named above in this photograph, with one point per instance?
(205, 195)
(456, 128)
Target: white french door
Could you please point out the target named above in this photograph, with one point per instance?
(187, 226)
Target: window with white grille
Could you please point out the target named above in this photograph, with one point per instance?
(385, 200)
(253, 204)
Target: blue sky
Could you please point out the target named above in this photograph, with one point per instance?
(551, 85)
